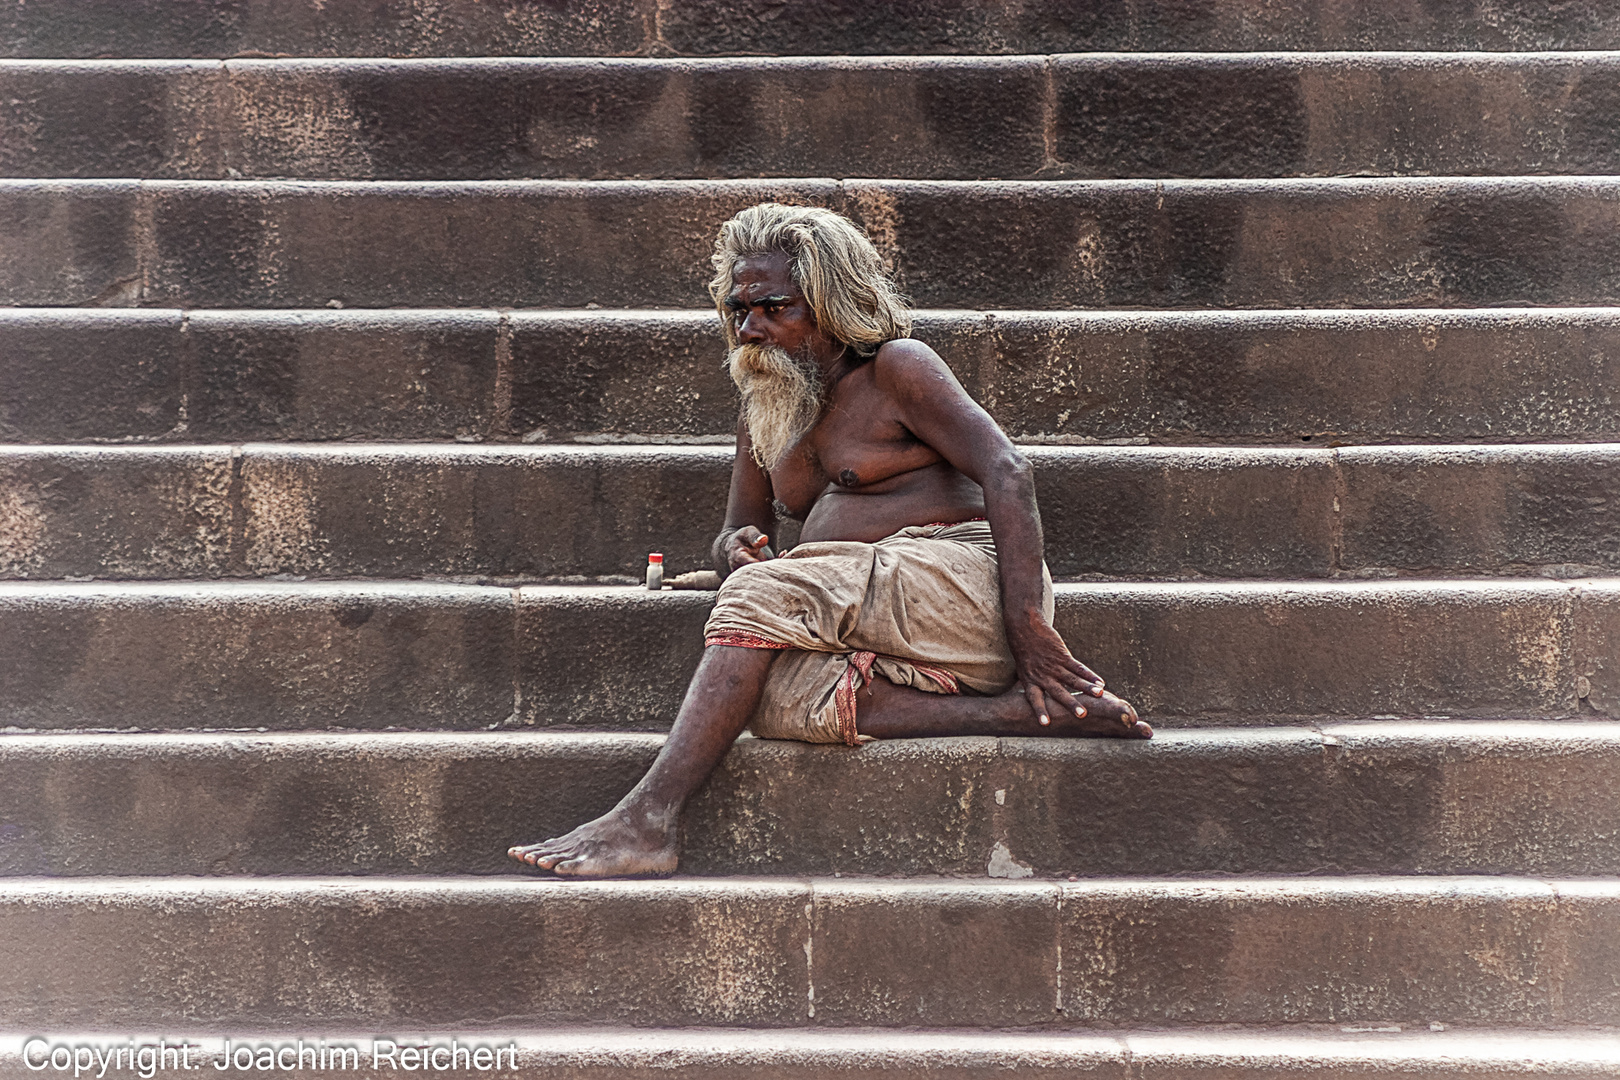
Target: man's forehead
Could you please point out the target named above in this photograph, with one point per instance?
(755, 276)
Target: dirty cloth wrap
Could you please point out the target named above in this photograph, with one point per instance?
(922, 608)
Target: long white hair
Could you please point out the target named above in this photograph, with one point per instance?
(831, 261)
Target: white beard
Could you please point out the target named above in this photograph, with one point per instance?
(781, 397)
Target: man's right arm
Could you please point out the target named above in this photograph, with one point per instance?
(749, 515)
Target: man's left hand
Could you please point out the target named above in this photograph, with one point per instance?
(1051, 676)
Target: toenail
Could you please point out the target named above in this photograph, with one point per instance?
(1045, 720)
(1080, 710)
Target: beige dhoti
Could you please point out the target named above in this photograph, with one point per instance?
(922, 608)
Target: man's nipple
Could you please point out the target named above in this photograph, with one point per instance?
(848, 478)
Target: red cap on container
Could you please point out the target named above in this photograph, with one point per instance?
(655, 557)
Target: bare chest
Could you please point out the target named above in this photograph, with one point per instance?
(860, 446)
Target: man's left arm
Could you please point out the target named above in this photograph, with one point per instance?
(935, 408)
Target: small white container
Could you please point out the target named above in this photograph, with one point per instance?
(655, 571)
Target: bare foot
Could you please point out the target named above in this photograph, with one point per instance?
(1107, 717)
(613, 845)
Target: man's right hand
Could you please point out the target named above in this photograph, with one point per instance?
(747, 545)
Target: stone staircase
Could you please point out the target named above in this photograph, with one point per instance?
(343, 396)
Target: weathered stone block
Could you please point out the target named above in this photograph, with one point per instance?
(112, 119)
(157, 28)
(1211, 652)
(342, 375)
(160, 512)
(406, 952)
(908, 807)
(1139, 512)
(606, 658)
(1480, 509)
(375, 512)
(76, 376)
(958, 954)
(530, 244)
(627, 376)
(1311, 951)
(479, 119)
(68, 243)
(254, 655)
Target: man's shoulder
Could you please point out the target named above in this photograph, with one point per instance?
(904, 360)
(908, 370)
(904, 349)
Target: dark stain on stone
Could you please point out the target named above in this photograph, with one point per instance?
(101, 234)
(1496, 245)
(84, 123)
(724, 144)
(1195, 238)
(1077, 25)
(696, 27)
(999, 249)
(246, 383)
(20, 853)
(1592, 122)
(136, 28)
(46, 666)
(1398, 529)
(467, 125)
(208, 245)
(1151, 119)
(353, 614)
(1558, 513)
(478, 123)
(1201, 384)
(981, 126)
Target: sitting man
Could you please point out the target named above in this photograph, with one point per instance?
(916, 602)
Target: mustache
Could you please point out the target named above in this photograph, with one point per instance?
(764, 360)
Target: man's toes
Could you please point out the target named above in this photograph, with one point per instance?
(1141, 730)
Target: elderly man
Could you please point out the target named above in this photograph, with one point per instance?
(916, 602)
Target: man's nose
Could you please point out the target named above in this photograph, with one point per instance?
(751, 332)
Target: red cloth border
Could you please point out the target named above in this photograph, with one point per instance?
(861, 663)
(742, 639)
(844, 697)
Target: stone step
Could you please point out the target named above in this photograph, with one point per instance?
(1026, 244)
(157, 28)
(1365, 1051)
(74, 375)
(782, 952)
(535, 513)
(1068, 116)
(291, 656)
(1438, 797)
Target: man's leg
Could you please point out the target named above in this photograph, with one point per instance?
(886, 711)
(641, 834)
